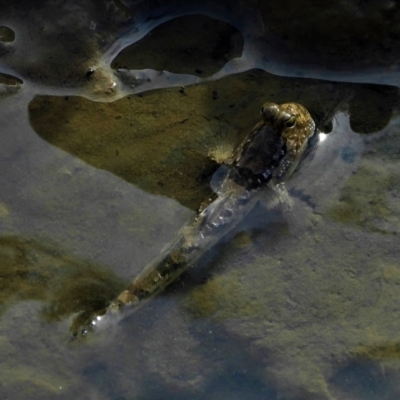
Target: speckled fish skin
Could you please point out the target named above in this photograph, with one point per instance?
(269, 153)
(273, 149)
(295, 136)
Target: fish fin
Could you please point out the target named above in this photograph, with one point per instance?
(217, 141)
(229, 187)
(205, 203)
(95, 322)
(295, 211)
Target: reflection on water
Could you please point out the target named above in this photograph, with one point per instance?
(301, 308)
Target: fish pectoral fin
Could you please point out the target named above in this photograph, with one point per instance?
(276, 197)
(216, 140)
(221, 158)
(282, 196)
(205, 203)
(281, 200)
(296, 212)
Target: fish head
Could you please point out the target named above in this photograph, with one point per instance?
(292, 121)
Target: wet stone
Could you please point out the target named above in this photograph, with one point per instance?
(6, 34)
(175, 47)
(372, 107)
(340, 34)
(9, 80)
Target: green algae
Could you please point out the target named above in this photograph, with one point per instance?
(361, 199)
(225, 290)
(30, 270)
(365, 200)
(387, 351)
(310, 311)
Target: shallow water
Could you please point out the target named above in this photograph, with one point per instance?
(100, 170)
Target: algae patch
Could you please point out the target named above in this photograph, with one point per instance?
(223, 290)
(32, 271)
(368, 199)
(308, 306)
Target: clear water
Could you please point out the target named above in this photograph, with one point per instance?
(293, 306)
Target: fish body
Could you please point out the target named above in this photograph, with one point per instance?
(268, 155)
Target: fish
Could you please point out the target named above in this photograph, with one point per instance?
(267, 156)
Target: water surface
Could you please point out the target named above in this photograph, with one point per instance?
(102, 163)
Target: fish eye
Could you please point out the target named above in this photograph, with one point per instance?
(269, 111)
(291, 122)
